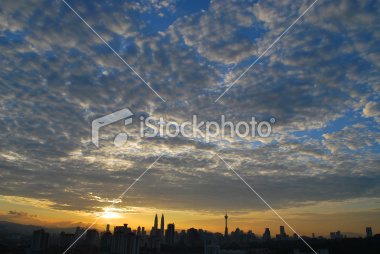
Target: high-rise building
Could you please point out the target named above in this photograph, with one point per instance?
(154, 230)
(108, 228)
(182, 236)
(153, 242)
(143, 232)
(79, 234)
(139, 231)
(125, 229)
(266, 235)
(226, 230)
(192, 236)
(65, 240)
(106, 242)
(162, 226)
(211, 245)
(235, 236)
(369, 232)
(92, 237)
(282, 235)
(170, 234)
(156, 222)
(124, 242)
(133, 244)
(40, 240)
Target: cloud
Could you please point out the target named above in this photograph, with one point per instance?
(21, 214)
(372, 109)
(318, 84)
(351, 138)
(223, 34)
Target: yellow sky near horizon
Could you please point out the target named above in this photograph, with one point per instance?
(320, 219)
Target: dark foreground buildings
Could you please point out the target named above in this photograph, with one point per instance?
(124, 240)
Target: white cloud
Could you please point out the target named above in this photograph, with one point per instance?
(372, 109)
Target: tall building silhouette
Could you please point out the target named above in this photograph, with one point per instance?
(155, 223)
(211, 245)
(106, 241)
(154, 230)
(266, 235)
(192, 237)
(226, 230)
(139, 231)
(92, 237)
(79, 234)
(282, 235)
(170, 234)
(369, 232)
(40, 240)
(162, 226)
(124, 242)
(282, 230)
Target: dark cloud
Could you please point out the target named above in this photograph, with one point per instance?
(21, 214)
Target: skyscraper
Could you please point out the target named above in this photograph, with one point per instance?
(155, 223)
(266, 235)
(40, 240)
(211, 245)
(282, 230)
(170, 234)
(92, 237)
(226, 230)
(139, 231)
(106, 242)
(79, 234)
(162, 226)
(369, 232)
(283, 235)
(124, 242)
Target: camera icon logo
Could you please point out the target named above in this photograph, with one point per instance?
(121, 138)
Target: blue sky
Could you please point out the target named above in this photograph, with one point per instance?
(320, 82)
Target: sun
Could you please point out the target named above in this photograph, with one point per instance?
(110, 215)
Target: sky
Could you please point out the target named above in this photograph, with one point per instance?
(319, 167)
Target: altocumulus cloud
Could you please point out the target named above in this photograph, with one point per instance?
(320, 82)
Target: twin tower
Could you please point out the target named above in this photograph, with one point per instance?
(155, 229)
(156, 232)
